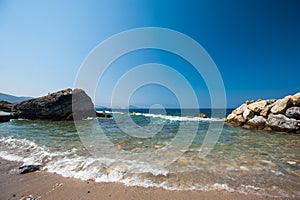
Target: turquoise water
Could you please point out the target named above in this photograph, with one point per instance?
(248, 161)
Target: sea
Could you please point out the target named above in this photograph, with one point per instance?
(170, 148)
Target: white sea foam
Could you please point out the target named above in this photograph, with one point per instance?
(177, 118)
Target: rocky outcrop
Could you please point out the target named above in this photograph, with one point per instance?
(6, 106)
(279, 115)
(56, 106)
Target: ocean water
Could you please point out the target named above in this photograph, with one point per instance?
(246, 161)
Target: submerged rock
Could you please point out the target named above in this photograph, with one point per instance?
(279, 115)
(28, 168)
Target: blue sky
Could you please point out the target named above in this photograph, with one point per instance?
(255, 45)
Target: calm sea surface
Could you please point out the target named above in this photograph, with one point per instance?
(248, 161)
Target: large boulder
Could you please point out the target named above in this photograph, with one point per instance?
(282, 123)
(257, 122)
(6, 106)
(257, 106)
(235, 119)
(56, 106)
(293, 112)
(248, 114)
(295, 99)
(240, 109)
(281, 105)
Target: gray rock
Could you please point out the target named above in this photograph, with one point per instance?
(248, 114)
(282, 123)
(281, 105)
(293, 112)
(257, 122)
(28, 168)
(56, 106)
(257, 106)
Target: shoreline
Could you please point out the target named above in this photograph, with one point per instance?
(45, 185)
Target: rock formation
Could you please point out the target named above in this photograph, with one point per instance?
(56, 106)
(279, 115)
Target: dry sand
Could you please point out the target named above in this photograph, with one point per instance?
(45, 185)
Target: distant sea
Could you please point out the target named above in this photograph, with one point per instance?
(246, 161)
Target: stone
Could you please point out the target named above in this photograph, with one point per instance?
(240, 109)
(248, 114)
(202, 115)
(281, 105)
(28, 168)
(6, 106)
(5, 117)
(62, 105)
(247, 102)
(257, 122)
(265, 112)
(103, 115)
(282, 123)
(293, 112)
(295, 99)
(235, 119)
(257, 106)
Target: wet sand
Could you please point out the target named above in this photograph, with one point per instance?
(45, 185)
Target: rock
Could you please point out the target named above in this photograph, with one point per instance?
(257, 122)
(272, 114)
(5, 118)
(248, 114)
(28, 197)
(240, 109)
(281, 105)
(202, 115)
(295, 99)
(6, 106)
(103, 115)
(282, 123)
(28, 168)
(265, 112)
(293, 112)
(56, 106)
(257, 106)
(236, 119)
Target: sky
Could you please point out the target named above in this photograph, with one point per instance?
(254, 44)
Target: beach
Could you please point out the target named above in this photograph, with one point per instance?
(45, 185)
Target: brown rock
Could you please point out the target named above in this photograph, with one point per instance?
(265, 112)
(248, 114)
(202, 115)
(295, 99)
(235, 119)
(281, 105)
(257, 106)
(240, 109)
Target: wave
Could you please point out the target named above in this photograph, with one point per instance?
(72, 163)
(169, 117)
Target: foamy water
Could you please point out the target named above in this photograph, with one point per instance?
(246, 161)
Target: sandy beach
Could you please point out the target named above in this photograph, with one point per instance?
(44, 185)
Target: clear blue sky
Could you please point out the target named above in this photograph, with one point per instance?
(255, 44)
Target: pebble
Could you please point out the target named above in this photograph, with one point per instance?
(292, 162)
